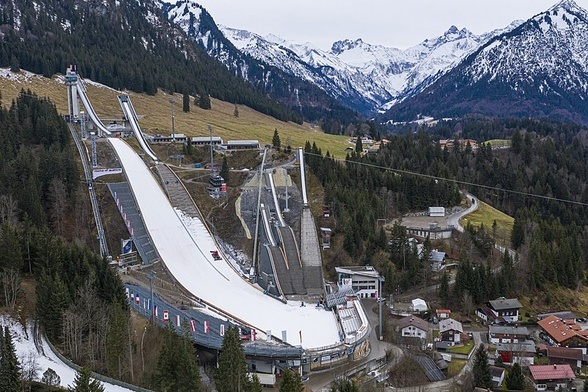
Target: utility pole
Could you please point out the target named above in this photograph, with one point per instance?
(211, 155)
(286, 209)
(171, 101)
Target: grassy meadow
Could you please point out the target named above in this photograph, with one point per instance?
(486, 215)
(154, 114)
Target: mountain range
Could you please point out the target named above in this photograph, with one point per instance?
(533, 68)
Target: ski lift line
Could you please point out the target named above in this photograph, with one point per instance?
(302, 176)
(131, 116)
(460, 182)
(89, 109)
(275, 197)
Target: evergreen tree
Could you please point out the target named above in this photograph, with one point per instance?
(186, 103)
(276, 140)
(204, 101)
(253, 384)
(291, 382)
(85, 383)
(444, 289)
(345, 386)
(50, 377)
(177, 369)
(9, 365)
(482, 375)
(236, 111)
(515, 380)
(358, 145)
(224, 173)
(231, 374)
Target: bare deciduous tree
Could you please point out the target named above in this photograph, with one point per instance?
(8, 210)
(11, 285)
(30, 369)
(468, 303)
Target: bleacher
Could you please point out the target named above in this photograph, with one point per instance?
(140, 237)
(350, 320)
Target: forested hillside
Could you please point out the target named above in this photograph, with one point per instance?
(47, 271)
(542, 180)
(125, 45)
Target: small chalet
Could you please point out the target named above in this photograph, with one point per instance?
(497, 376)
(507, 334)
(437, 260)
(450, 330)
(412, 326)
(522, 352)
(500, 311)
(566, 355)
(552, 377)
(443, 313)
(564, 333)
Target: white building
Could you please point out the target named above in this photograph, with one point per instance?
(437, 211)
(365, 281)
(418, 305)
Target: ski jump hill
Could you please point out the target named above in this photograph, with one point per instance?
(185, 247)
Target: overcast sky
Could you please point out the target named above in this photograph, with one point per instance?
(396, 23)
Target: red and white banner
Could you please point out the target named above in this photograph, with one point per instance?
(132, 297)
(127, 292)
(177, 320)
(222, 330)
(165, 316)
(103, 172)
(193, 325)
(253, 335)
(131, 231)
(155, 311)
(206, 327)
(137, 300)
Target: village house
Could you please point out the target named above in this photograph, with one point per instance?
(497, 376)
(552, 377)
(413, 326)
(507, 334)
(443, 313)
(566, 355)
(522, 353)
(450, 330)
(500, 311)
(564, 333)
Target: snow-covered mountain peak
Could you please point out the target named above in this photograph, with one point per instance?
(339, 47)
(184, 13)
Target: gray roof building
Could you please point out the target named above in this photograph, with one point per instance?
(505, 303)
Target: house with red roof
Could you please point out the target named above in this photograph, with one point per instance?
(552, 377)
(563, 333)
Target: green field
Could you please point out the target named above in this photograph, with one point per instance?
(486, 215)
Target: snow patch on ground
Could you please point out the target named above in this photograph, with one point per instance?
(45, 358)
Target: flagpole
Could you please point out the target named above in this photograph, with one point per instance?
(151, 276)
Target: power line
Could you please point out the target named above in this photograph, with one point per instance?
(460, 182)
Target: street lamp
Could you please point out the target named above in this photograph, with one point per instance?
(171, 101)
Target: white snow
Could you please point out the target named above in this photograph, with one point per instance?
(185, 246)
(45, 358)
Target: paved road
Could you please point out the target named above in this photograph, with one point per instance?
(453, 220)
